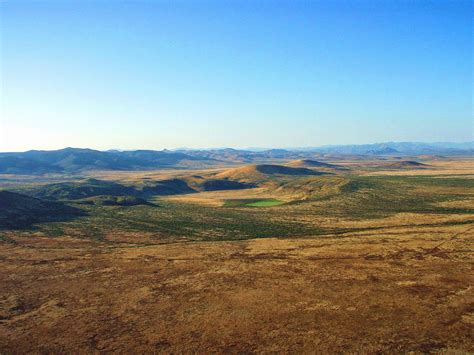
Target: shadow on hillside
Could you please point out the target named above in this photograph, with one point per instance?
(26, 219)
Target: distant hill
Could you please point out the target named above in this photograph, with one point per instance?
(78, 190)
(222, 184)
(20, 211)
(282, 170)
(244, 156)
(75, 160)
(93, 191)
(406, 164)
(190, 185)
(335, 151)
(70, 160)
(166, 187)
(251, 173)
(308, 163)
(399, 148)
(18, 165)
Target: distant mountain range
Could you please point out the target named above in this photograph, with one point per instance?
(70, 160)
(74, 160)
(400, 148)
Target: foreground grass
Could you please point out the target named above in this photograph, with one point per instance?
(381, 196)
(388, 269)
(170, 220)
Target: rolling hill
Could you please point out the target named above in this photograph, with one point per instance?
(190, 184)
(223, 184)
(308, 163)
(19, 211)
(109, 191)
(166, 187)
(114, 201)
(399, 148)
(78, 190)
(75, 160)
(259, 172)
(406, 164)
(70, 160)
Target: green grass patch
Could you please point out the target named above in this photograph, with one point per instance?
(350, 197)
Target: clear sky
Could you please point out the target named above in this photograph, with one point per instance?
(166, 74)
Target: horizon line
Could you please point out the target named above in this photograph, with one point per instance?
(254, 148)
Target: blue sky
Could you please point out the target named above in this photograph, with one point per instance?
(166, 74)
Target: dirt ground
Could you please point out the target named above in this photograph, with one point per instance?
(388, 268)
(393, 291)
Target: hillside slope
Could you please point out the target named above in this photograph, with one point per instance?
(309, 163)
(260, 172)
(406, 164)
(19, 211)
(75, 160)
(79, 189)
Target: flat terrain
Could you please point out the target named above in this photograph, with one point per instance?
(365, 256)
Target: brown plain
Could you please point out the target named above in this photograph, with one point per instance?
(403, 283)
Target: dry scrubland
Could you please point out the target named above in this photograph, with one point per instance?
(361, 256)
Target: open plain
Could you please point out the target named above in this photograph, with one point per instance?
(351, 255)
(236, 177)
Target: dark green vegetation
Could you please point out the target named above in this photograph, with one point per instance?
(19, 211)
(92, 187)
(169, 221)
(270, 169)
(105, 208)
(381, 196)
(166, 187)
(196, 184)
(78, 190)
(115, 201)
(218, 185)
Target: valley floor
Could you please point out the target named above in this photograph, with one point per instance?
(396, 290)
(357, 259)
